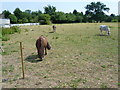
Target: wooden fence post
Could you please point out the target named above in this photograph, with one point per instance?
(22, 60)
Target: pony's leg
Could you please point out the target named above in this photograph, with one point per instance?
(107, 33)
(45, 51)
(101, 33)
(37, 51)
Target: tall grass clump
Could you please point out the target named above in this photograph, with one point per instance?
(7, 31)
(16, 29)
(5, 38)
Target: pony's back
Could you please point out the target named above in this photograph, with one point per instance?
(42, 44)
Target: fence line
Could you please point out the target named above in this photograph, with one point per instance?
(24, 24)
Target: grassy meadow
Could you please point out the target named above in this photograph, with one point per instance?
(79, 58)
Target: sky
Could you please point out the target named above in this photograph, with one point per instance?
(61, 5)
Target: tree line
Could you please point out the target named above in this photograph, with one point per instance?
(95, 12)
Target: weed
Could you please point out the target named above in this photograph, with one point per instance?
(103, 66)
(5, 53)
(73, 85)
(8, 69)
(33, 53)
(45, 76)
(97, 78)
(16, 29)
(57, 87)
(14, 51)
(103, 86)
(77, 80)
(11, 68)
(2, 44)
(4, 69)
(5, 63)
(118, 84)
(26, 30)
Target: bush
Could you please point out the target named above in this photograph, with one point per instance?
(5, 38)
(48, 22)
(7, 31)
(114, 20)
(11, 30)
(16, 29)
(44, 19)
(43, 22)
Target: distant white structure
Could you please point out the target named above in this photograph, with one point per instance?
(5, 23)
(24, 24)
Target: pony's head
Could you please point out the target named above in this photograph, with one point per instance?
(48, 46)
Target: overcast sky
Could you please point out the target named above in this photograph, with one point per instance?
(61, 5)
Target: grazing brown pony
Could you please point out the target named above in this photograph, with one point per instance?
(41, 45)
(54, 28)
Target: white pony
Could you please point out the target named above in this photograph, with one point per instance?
(105, 28)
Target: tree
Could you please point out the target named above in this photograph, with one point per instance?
(59, 17)
(75, 12)
(20, 21)
(13, 18)
(95, 11)
(79, 16)
(39, 12)
(28, 11)
(44, 19)
(49, 10)
(18, 13)
(24, 20)
(108, 18)
(112, 15)
(70, 17)
(26, 15)
(34, 16)
(6, 13)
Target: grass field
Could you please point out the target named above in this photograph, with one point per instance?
(79, 58)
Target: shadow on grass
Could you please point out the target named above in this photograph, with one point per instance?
(51, 32)
(101, 35)
(33, 59)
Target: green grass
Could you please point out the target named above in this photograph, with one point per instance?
(4, 53)
(5, 38)
(79, 57)
(118, 84)
(10, 30)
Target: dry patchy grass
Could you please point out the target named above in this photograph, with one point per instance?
(79, 58)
